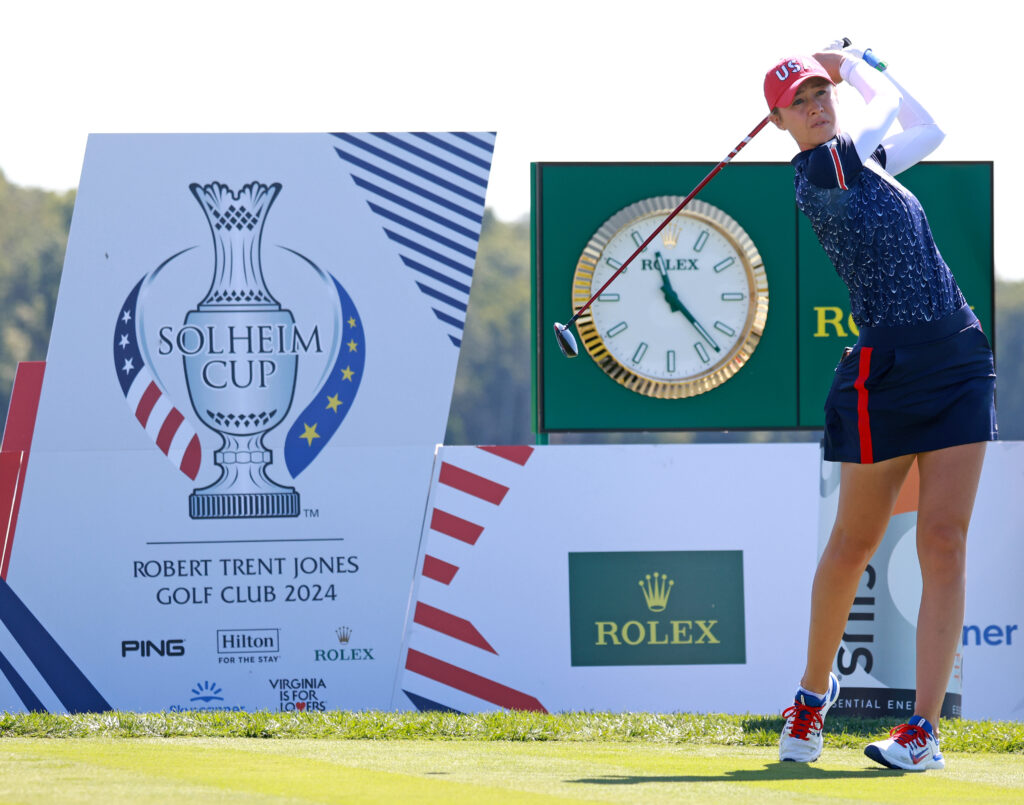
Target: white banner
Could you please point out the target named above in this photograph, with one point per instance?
(604, 578)
(250, 366)
(577, 578)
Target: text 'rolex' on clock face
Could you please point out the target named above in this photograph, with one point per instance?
(689, 310)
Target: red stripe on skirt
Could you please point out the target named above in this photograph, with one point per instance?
(863, 421)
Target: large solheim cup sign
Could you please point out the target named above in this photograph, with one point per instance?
(250, 367)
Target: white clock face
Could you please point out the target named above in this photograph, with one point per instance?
(686, 313)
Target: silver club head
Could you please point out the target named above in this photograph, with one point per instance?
(566, 341)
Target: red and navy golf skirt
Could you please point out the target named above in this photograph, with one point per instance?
(910, 389)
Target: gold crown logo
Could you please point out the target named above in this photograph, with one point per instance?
(656, 591)
(344, 634)
(670, 236)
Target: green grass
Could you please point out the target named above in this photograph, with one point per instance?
(504, 757)
(218, 770)
(671, 728)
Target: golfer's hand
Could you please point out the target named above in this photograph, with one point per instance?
(831, 60)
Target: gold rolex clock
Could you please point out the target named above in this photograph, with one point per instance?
(687, 313)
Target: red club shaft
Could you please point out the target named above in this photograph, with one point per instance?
(671, 215)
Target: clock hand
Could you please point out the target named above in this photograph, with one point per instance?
(676, 304)
(666, 287)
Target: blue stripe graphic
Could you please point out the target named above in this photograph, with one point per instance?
(434, 274)
(74, 690)
(28, 698)
(425, 189)
(422, 703)
(447, 319)
(440, 297)
(398, 180)
(431, 178)
(469, 138)
(451, 149)
(421, 211)
(440, 258)
(422, 230)
(395, 179)
(441, 163)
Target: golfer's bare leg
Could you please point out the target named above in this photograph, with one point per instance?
(949, 483)
(867, 495)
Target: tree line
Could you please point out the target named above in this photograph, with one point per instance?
(492, 399)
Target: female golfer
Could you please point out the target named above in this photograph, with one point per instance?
(919, 384)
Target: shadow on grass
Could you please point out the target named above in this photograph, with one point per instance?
(773, 771)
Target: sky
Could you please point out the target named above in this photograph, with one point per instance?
(645, 80)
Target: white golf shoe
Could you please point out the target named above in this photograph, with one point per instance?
(911, 746)
(801, 737)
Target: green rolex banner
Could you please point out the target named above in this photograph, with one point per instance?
(657, 608)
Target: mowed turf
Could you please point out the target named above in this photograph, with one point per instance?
(200, 770)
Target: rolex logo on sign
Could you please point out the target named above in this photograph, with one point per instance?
(656, 591)
(701, 622)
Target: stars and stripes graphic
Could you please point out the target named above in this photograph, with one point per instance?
(315, 426)
(166, 425)
(428, 191)
(450, 664)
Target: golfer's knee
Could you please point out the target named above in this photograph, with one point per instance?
(942, 548)
(852, 548)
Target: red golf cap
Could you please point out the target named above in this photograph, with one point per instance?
(782, 80)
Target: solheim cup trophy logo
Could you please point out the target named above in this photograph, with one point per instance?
(249, 391)
(241, 354)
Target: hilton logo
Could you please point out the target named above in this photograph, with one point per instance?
(248, 641)
(697, 597)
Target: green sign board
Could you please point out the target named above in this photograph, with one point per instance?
(784, 382)
(656, 608)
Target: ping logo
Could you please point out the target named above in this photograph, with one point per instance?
(701, 622)
(656, 592)
(149, 648)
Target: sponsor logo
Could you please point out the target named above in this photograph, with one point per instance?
(695, 598)
(248, 645)
(344, 635)
(206, 692)
(223, 375)
(174, 647)
(248, 641)
(300, 695)
(991, 635)
(206, 695)
(917, 757)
